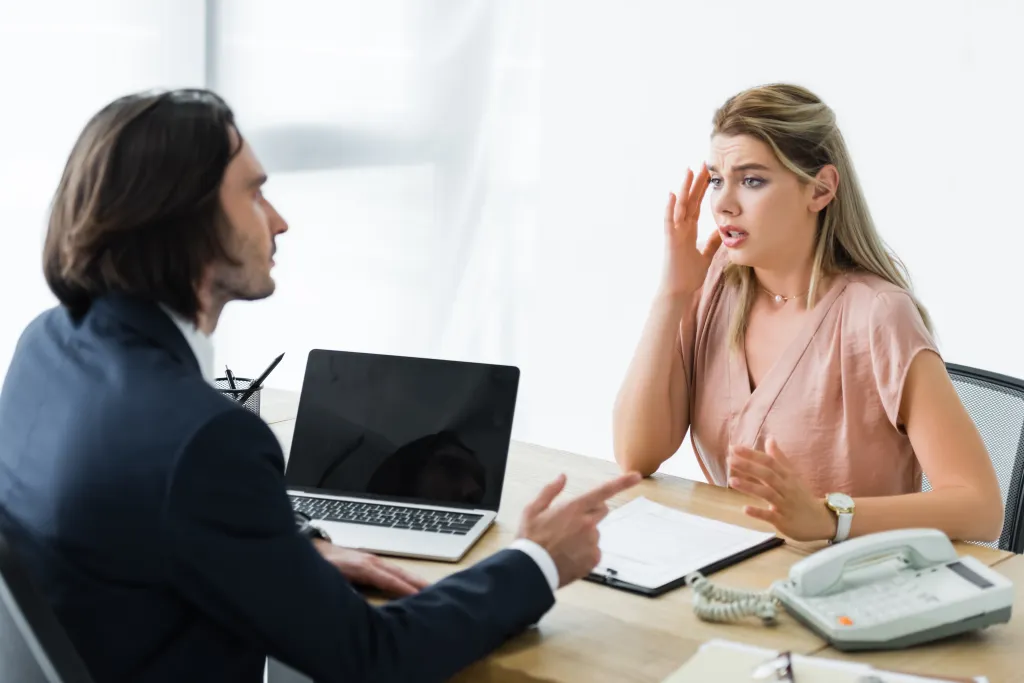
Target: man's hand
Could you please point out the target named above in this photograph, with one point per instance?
(369, 570)
(568, 532)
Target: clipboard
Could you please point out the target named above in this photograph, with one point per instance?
(729, 662)
(612, 581)
(648, 542)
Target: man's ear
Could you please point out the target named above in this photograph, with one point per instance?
(825, 187)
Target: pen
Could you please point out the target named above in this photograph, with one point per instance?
(259, 382)
(231, 380)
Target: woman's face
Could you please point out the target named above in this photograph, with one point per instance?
(767, 217)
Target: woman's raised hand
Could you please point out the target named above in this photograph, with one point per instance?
(686, 266)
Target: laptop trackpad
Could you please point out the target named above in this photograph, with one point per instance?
(400, 542)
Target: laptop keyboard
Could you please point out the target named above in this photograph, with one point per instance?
(392, 516)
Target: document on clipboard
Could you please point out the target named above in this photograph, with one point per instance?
(648, 548)
(726, 661)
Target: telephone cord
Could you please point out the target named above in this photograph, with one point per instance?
(717, 603)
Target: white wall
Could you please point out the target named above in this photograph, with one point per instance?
(571, 122)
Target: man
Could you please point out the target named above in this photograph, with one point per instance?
(152, 510)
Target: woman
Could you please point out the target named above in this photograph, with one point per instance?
(792, 348)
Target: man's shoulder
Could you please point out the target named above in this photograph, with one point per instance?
(182, 411)
(120, 392)
(46, 323)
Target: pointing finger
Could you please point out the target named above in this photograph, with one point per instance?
(596, 514)
(546, 495)
(608, 489)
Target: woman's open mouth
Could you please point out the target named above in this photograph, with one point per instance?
(732, 236)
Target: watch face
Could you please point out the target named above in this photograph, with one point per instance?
(840, 500)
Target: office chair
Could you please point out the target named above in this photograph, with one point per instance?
(996, 404)
(33, 646)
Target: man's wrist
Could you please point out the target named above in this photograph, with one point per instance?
(307, 529)
(543, 559)
(313, 533)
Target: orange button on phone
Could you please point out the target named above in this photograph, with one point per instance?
(845, 621)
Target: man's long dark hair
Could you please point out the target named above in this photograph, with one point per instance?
(137, 210)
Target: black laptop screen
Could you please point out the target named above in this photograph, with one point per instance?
(401, 428)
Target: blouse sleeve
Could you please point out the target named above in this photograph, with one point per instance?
(897, 333)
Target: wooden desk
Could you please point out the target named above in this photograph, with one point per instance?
(598, 634)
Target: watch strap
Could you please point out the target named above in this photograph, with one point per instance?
(843, 522)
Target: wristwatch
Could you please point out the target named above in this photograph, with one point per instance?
(842, 506)
(308, 529)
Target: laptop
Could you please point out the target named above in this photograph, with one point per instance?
(401, 455)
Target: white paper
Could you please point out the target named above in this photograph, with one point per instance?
(812, 667)
(649, 545)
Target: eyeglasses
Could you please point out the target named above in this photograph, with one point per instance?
(778, 668)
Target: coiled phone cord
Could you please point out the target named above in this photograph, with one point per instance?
(715, 603)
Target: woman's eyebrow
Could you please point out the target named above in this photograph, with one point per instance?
(743, 167)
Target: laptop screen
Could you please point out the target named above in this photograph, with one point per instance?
(401, 428)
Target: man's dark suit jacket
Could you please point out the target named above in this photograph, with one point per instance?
(152, 512)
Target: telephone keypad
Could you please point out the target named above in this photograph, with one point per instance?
(906, 593)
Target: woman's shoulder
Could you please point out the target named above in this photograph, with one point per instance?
(884, 308)
(867, 292)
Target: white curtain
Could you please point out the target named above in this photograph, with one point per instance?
(485, 179)
(402, 140)
(60, 61)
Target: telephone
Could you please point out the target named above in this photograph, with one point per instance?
(887, 590)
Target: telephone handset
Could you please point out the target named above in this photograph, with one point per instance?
(886, 590)
(823, 570)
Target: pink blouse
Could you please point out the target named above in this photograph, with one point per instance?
(832, 398)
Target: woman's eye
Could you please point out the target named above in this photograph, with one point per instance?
(749, 182)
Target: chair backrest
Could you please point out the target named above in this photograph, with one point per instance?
(996, 404)
(33, 646)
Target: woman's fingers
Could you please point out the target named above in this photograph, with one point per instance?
(696, 195)
(684, 193)
(670, 213)
(756, 489)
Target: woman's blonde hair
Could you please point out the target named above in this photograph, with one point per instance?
(801, 130)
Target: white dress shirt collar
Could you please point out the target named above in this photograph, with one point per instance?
(200, 343)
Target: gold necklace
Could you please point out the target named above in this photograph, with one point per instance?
(782, 299)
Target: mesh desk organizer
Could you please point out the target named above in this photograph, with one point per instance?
(242, 385)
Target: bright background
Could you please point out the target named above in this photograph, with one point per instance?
(485, 179)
